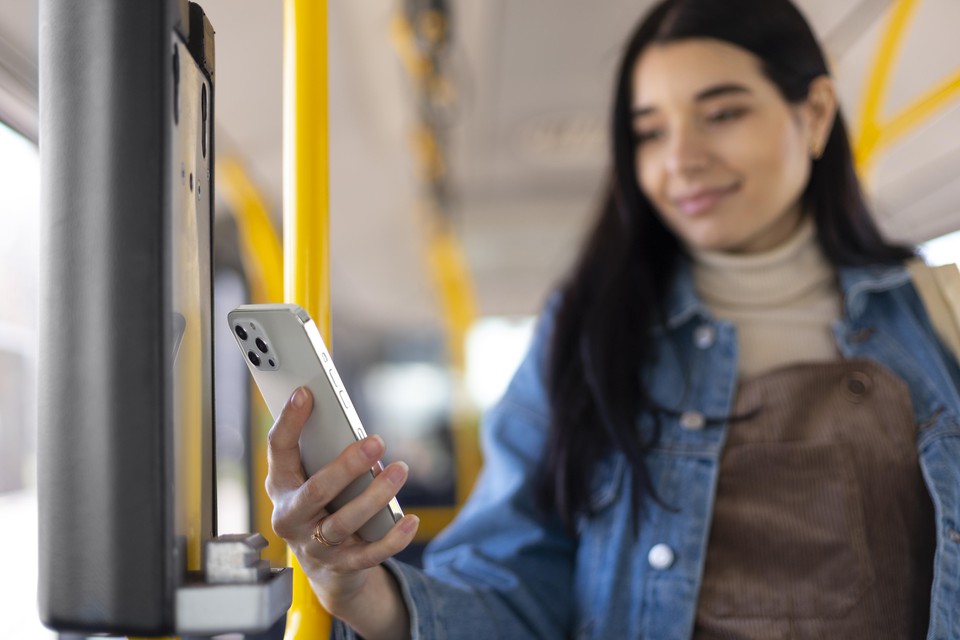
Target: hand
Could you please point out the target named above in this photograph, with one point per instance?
(339, 574)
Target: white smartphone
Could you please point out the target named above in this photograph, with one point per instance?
(284, 350)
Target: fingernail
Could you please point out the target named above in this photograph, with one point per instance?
(372, 446)
(396, 472)
(299, 398)
(409, 524)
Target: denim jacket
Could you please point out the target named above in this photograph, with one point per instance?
(503, 570)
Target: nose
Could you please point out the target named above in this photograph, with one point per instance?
(687, 154)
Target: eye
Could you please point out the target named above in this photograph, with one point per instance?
(726, 115)
(643, 137)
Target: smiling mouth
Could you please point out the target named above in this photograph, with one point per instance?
(703, 201)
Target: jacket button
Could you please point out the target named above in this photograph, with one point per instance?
(660, 557)
(692, 420)
(704, 336)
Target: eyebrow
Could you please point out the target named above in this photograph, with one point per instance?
(707, 94)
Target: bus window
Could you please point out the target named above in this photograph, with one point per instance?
(942, 250)
(19, 282)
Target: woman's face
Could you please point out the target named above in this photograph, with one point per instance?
(720, 153)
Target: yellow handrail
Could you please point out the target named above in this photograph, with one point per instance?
(260, 244)
(305, 214)
(445, 260)
(874, 135)
(878, 83)
(262, 253)
(918, 112)
(451, 280)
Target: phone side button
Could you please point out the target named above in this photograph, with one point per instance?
(344, 400)
(334, 378)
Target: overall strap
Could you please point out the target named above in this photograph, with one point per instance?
(939, 289)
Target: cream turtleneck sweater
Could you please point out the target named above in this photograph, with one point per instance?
(782, 302)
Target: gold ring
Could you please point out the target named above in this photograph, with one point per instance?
(318, 534)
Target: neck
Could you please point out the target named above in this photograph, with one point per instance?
(766, 279)
(782, 301)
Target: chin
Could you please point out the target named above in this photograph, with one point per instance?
(709, 241)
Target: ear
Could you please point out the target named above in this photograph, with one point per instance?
(820, 112)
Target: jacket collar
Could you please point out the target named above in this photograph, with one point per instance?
(856, 283)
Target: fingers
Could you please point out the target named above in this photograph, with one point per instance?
(300, 503)
(348, 519)
(394, 542)
(283, 441)
(363, 555)
(354, 461)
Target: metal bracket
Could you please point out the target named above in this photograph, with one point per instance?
(237, 591)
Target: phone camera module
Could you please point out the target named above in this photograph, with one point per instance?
(241, 332)
(254, 358)
(261, 345)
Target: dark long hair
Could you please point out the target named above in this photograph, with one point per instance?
(614, 295)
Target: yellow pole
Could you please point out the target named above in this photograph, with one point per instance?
(445, 259)
(305, 218)
(878, 84)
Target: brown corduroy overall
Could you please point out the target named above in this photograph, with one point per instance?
(823, 526)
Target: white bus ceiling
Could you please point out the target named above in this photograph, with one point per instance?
(527, 145)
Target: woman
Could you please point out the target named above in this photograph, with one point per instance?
(735, 419)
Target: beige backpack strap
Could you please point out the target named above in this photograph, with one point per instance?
(939, 288)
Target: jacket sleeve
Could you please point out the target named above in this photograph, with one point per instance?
(503, 568)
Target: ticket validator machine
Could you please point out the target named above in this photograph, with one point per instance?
(126, 482)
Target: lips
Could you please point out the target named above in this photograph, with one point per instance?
(702, 200)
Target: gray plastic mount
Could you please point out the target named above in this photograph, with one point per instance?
(238, 592)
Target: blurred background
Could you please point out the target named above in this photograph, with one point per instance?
(467, 147)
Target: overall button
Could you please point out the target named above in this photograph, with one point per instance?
(857, 386)
(692, 420)
(704, 336)
(660, 557)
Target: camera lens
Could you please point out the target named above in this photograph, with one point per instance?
(240, 332)
(261, 345)
(254, 358)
